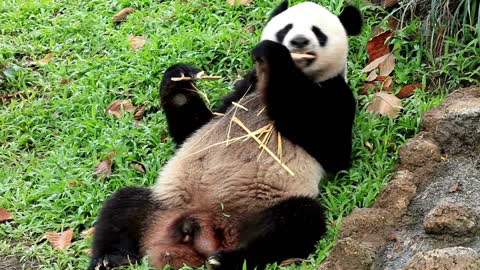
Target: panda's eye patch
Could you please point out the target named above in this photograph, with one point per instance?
(282, 33)
(321, 37)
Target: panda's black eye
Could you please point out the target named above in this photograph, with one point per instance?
(282, 33)
(321, 37)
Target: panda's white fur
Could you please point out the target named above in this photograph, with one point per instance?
(330, 60)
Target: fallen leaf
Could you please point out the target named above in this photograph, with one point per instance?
(407, 90)
(88, 251)
(251, 28)
(5, 215)
(385, 104)
(393, 23)
(375, 63)
(376, 46)
(139, 167)
(239, 2)
(291, 261)
(60, 240)
(88, 232)
(386, 67)
(104, 168)
(139, 112)
(368, 86)
(64, 81)
(45, 59)
(372, 76)
(72, 184)
(386, 83)
(116, 107)
(122, 15)
(163, 137)
(389, 3)
(137, 42)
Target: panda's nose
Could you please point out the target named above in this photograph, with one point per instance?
(299, 42)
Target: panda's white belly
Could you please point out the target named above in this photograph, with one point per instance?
(206, 172)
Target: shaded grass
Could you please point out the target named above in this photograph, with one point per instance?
(57, 133)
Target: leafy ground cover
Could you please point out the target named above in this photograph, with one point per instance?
(63, 62)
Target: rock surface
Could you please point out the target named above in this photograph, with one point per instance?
(427, 217)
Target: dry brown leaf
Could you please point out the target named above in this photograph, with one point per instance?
(386, 67)
(287, 262)
(88, 232)
(368, 86)
(139, 112)
(376, 46)
(88, 251)
(163, 137)
(386, 83)
(5, 215)
(385, 104)
(408, 90)
(72, 184)
(60, 240)
(239, 2)
(64, 81)
(104, 168)
(251, 28)
(369, 145)
(122, 15)
(45, 59)
(372, 76)
(139, 167)
(375, 63)
(137, 42)
(116, 107)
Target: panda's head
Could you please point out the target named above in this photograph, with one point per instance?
(310, 28)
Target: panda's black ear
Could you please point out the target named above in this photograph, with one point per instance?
(351, 18)
(281, 8)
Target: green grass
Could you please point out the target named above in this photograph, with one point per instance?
(56, 133)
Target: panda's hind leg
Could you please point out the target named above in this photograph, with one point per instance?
(183, 106)
(119, 228)
(289, 229)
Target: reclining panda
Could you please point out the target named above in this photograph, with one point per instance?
(224, 203)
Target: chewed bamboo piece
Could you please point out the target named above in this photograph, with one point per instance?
(199, 76)
(302, 56)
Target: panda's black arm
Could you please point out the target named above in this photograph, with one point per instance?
(184, 108)
(288, 229)
(316, 116)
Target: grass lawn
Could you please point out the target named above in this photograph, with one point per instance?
(53, 136)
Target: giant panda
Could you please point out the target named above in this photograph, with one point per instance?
(222, 199)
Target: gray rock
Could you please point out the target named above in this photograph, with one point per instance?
(451, 218)
(453, 258)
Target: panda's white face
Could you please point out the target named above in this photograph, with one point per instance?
(311, 29)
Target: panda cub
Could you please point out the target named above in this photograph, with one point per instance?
(223, 199)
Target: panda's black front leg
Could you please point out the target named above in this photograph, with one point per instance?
(183, 106)
(289, 229)
(119, 228)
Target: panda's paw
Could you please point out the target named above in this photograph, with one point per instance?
(108, 262)
(269, 51)
(225, 260)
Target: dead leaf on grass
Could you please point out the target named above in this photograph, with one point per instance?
(138, 166)
(122, 15)
(375, 63)
(45, 59)
(376, 46)
(60, 240)
(385, 104)
(6, 97)
(5, 215)
(116, 107)
(239, 2)
(137, 42)
(104, 168)
(88, 232)
(386, 67)
(408, 90)
(372, 76)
